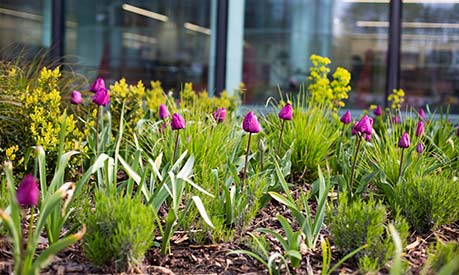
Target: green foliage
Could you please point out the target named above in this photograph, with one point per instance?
(356, 223)
(25, 260)
(443, 259)
(428, 202)
(314, 134)
(120, 231)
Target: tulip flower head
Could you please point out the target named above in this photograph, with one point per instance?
(404, 141)
(28, 193)
(219, 115)
(419, 148)
(286, 113)
(354, 129)
(396, 119)
(251, 124)
(422, 114)
(101, 98)
(346, 118)
(457, 132)
(97, 85)
(163, 112)
(365, 125)
(178, 122)
(378, 111)
(76, 98)
(420, 129)
(368, 137)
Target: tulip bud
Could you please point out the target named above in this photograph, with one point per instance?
(346, 118)
(28, 193)
(378, 111)
(420, 129)
(97, 85)
(101, 98)
(286, 113)
(219, 115)
(163, 112)
(419, 148)
(250, 123)
(457, 131)
(396, 119)
(404, 141)
(365, 125)
(76, 98)
(354, 129)
(178, 122)
(422, 114)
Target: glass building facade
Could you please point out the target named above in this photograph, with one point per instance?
(410, 44)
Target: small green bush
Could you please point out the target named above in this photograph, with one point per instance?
(119, 232)
(444, 256)
(360, 223)
(428, 202)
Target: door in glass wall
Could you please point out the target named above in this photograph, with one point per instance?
(430, 53)
(140, 40)
(279, 37)
(25, 27)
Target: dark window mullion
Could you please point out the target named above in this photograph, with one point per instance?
(393, 50)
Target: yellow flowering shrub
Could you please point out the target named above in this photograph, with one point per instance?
(133, 96)
(323, 92)
(41, 106)
(201, 102)
(155, 96)
(396, 98)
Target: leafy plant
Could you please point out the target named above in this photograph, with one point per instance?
(25, 262)
(443, 259)
(120, 231)
(309, 227)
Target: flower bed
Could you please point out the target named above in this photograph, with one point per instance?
(126, 179)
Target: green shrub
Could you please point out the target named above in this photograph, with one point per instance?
(119, 232)
(360, 223)
(444, 258)
(428, 202)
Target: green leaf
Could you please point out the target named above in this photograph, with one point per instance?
(278, 197)
(202, 210)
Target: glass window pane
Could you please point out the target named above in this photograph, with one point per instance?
(430, 53)
(24, 25)
(141, 40)
(279, 37)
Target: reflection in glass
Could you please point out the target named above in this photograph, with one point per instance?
(279, 37)
(24, 26)
(141, 40)
(430, 54)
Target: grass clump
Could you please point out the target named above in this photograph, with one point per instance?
(428, 202)
(119, 232)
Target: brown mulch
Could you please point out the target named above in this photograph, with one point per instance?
(188, 258)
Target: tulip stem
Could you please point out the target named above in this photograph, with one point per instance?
(244, 176)
(355, 161)
(280, 137)
(98, 114)
(175, 147)
(401, 165)
(28, 258)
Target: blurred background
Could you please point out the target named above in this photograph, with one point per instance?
(264, 43)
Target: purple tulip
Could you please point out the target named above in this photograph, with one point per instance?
(178, 122)
(28, 193)
(97, 85)
(419, 148)
(101, 98)
(457, 132)
(346, 118)
(219, 115)
(404, 141)
(396, 119)
(354, 129)
(421, 113)
(368, 137)
(250, 123)
(378, 111)
(163, 112)
(76, 98)
(286, 113)
(420, 129)
(365, 125)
